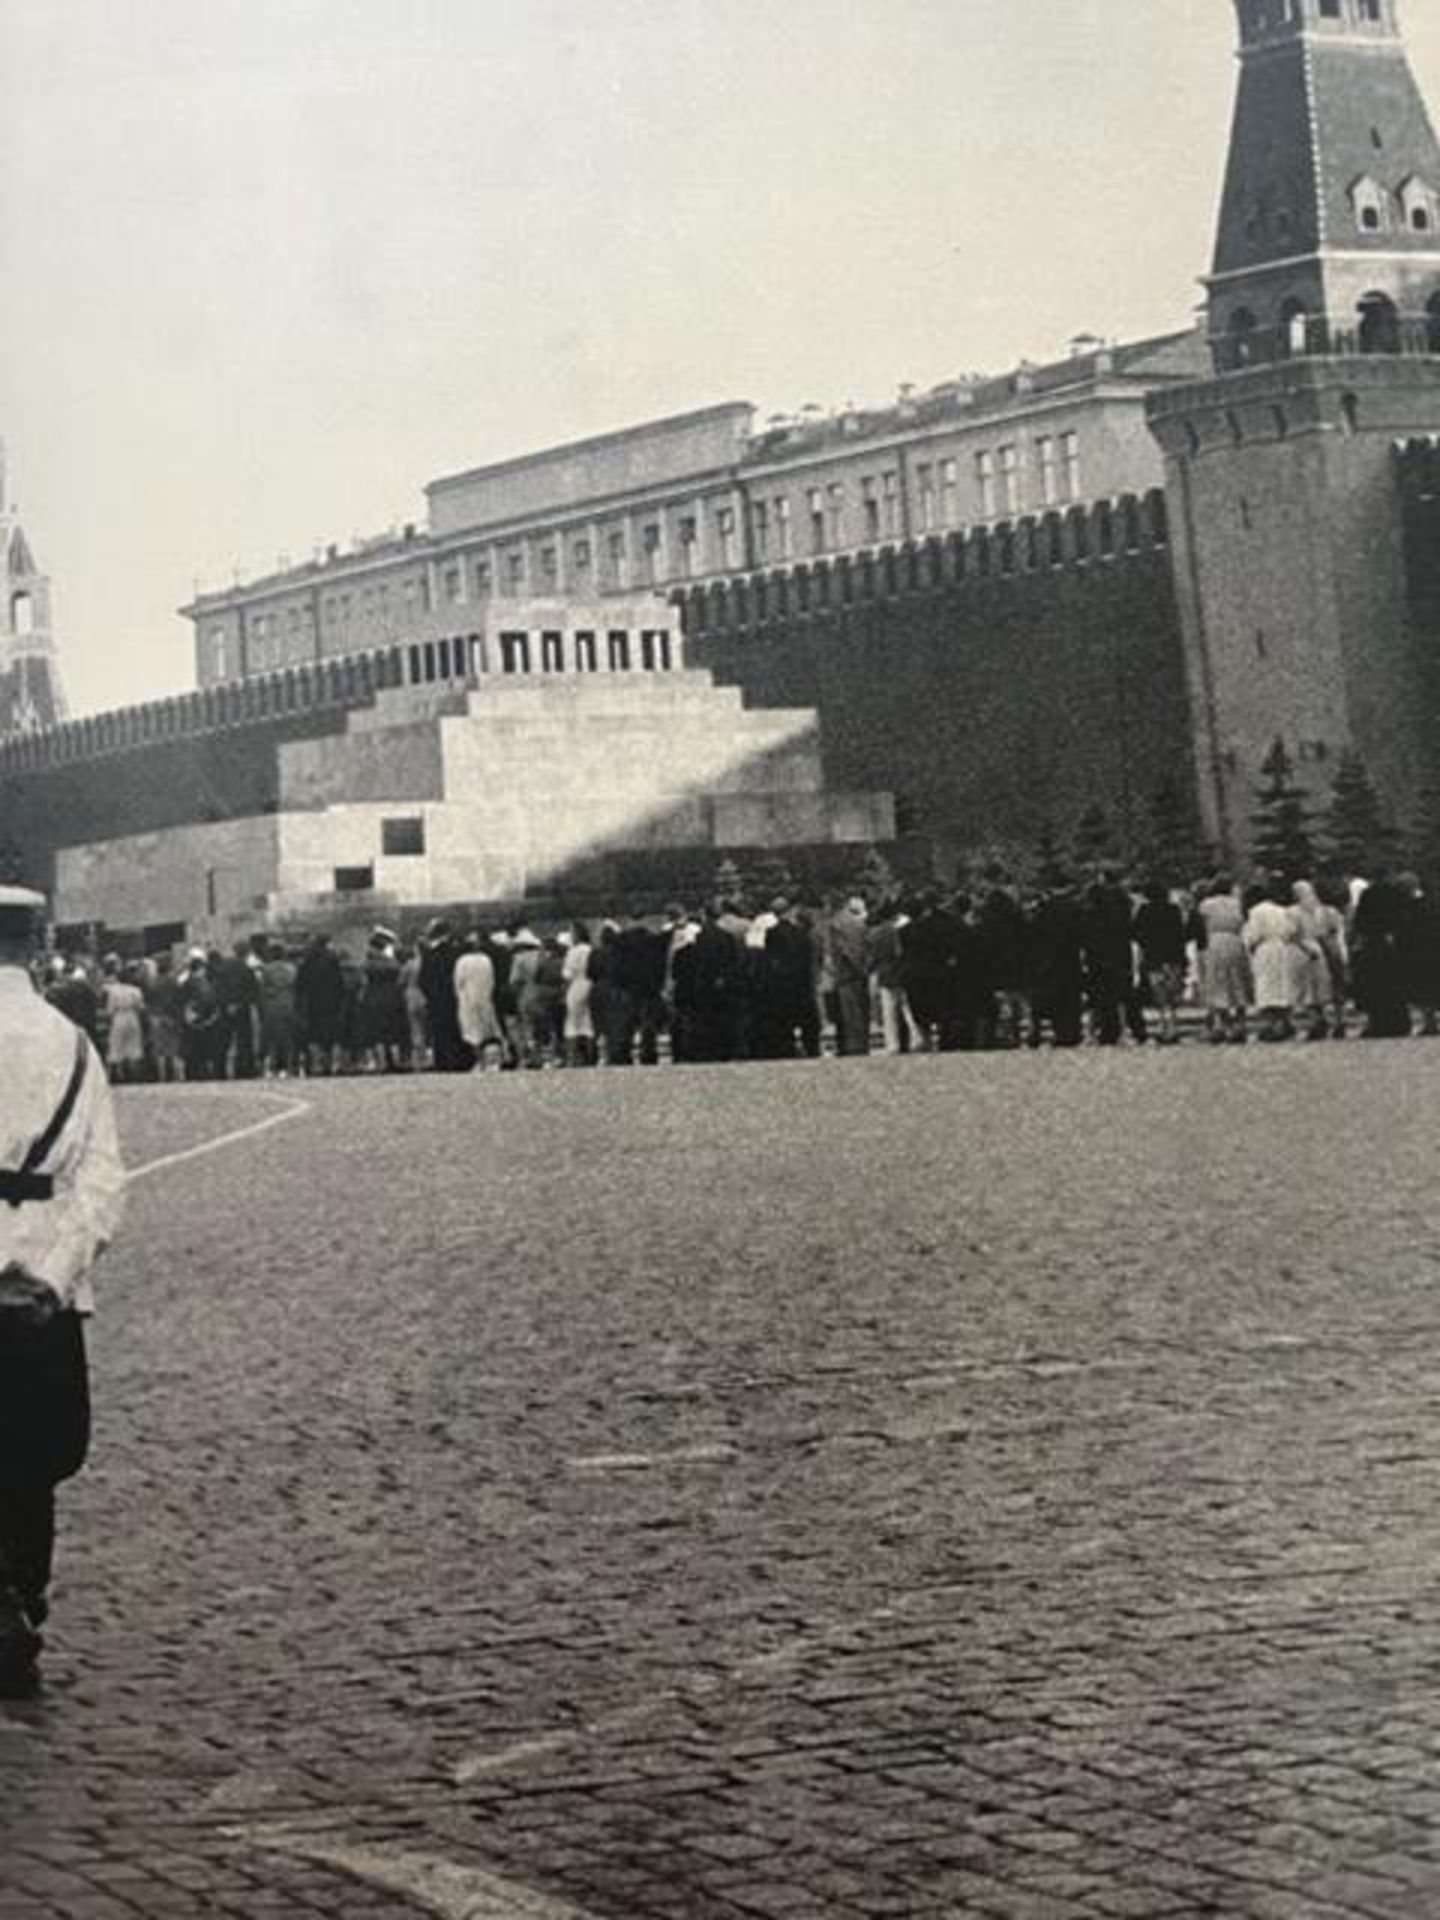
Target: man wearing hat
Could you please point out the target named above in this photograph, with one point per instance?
(61, 1193)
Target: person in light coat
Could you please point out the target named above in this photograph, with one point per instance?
(62, 1190)
(1274, 941)
(1323, 970)
(480, 1026)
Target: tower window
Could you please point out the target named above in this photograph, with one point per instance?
(1329, 9)
(1371, 204)
(1417, 205)
(1379, 324)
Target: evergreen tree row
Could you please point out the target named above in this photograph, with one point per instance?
(1352, 836)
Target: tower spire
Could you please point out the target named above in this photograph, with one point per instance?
(1329, 231)
(30, 694)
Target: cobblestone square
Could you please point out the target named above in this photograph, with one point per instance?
(999, 1486)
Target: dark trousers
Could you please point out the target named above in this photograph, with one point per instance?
(1110, 1001)
(1064, 1009)
(852, 1015)
(240, 1021)
(44, 1438)
(618, 1017)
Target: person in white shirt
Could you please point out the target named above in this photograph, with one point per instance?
(62, 1191)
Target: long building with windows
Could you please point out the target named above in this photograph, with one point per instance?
(708, 495)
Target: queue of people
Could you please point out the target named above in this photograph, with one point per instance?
(993, 965)
(264, 1008)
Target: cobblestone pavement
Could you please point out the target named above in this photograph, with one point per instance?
(1000, 1486)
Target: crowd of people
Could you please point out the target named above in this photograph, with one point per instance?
(992, 966)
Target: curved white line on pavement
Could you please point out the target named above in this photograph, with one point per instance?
(447, 1888)
(294, 1110)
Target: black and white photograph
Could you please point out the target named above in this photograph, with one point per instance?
(719, 960)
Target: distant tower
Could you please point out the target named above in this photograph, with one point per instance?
(30, 693)
(1324, 320)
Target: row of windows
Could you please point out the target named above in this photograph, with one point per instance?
(1003, 478)
(1377, 210)
(828, 525)
(467, 656)
(1006, 481)
(1411, 207)
(1264, 16)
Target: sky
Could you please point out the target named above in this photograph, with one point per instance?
(269, 266)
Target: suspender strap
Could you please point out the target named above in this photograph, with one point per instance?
(60, 1119)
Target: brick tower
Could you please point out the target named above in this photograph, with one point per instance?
(30, 694)
(1324, 321)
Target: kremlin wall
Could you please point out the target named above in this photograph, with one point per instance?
(959, 622)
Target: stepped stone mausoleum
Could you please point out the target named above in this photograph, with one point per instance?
(569, 752)
(967, 618)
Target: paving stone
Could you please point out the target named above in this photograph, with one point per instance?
(1055, 1537)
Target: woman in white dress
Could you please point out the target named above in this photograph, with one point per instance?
(579, 1016)
(1324, 965)
(125, 1037)
(1224, 963)
(480, 1027)
(1273, 937)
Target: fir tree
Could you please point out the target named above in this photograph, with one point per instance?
(1280, 839)
(874, 878)
(1094, 839)
(1424, 839)
(1361, 841)
(770, 879)
(1048, 858)
(1175, 849)
(729, 883)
